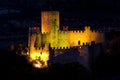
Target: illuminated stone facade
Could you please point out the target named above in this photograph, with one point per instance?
(50, 34)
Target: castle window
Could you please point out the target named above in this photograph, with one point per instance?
(79, 42)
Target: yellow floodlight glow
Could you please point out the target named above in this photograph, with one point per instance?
(39, 59)
(37, 64)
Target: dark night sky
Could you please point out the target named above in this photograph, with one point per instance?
(103, 12)
(98, 12)
(105, 6)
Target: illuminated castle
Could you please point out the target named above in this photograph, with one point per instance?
(50, 35)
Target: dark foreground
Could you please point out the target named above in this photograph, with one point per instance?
(14, 67)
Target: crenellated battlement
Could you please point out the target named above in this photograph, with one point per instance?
(76, 31)
(70, 47)
(62, 32)
(44, 33)
(39, 48)
(65, 28)
(87, 27)
(54, 48)
(97, 31)
(71, 38)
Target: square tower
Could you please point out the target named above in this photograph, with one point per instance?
(48, 20)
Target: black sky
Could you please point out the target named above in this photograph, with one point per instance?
(97, 11)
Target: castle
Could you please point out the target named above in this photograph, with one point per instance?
(51, 36)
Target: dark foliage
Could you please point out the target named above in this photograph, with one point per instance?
(16, 67)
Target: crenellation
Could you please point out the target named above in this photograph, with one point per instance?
(39, 48)
(77, 31)
(74, 31)
(62, 32)
(53, 48)
(97, 31)
(67, 47)
(81, 31)
(71, 47)
(65, 28)
(71, 31)
(94, 31)
(87, 28)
